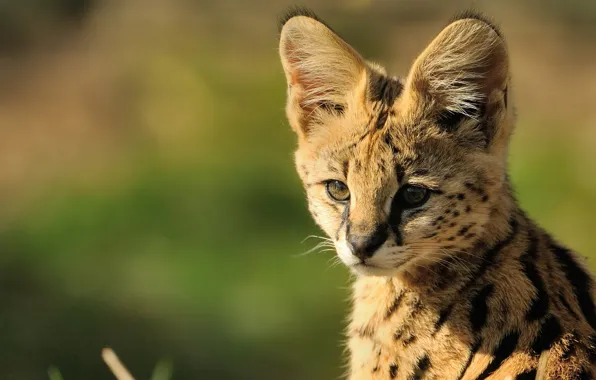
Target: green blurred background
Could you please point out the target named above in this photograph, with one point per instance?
(148, 195)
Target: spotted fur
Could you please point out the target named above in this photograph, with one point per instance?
(464, 286)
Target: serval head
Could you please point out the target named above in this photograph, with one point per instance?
(401, 173)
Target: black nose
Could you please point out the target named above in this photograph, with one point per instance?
(365, 246)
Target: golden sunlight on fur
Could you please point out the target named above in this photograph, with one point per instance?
(408, 177)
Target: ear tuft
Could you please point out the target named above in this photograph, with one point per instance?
(298, 11)
(475, 15)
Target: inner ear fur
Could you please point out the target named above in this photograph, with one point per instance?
(321, 70)
(463, 73)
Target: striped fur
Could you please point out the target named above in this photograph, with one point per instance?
(463, 286)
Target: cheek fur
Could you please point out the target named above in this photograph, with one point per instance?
(326, 215)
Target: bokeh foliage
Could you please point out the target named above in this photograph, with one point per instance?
(179, 238)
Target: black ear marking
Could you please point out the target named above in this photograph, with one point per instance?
(473, 14)
(298, 11)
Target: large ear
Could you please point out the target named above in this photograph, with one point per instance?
(463, 74)
(321, 70)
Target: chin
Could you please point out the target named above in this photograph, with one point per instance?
(374, 271)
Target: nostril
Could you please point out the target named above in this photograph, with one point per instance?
(365, 246)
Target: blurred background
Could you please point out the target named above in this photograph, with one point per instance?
(149, 200)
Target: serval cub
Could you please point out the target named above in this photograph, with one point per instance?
(408, 177)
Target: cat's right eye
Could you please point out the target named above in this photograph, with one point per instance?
(337, 190)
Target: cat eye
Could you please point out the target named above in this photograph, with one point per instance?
(414, 196)
(337, 190)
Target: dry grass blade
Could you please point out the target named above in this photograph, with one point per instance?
(115, 365)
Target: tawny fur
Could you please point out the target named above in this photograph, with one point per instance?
(465, 286)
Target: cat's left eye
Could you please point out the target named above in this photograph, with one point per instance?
(337, 190)
(414, 196)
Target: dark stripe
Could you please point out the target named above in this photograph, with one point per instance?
(502, 353)
(443, 317)
(539, 306)
(382, 119)
(344, 220)
(382, 88)
(550, 331)
(487, 260)
(528, 375)
(475, 349)
(580, 282)
(394, 306)
(479, 311)
(421, 367)
(568, 307)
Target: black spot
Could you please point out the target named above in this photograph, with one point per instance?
(528, 375)
(421, 367)
(503, 351)
(473, 352)
(452, 224)
(452, 196)
(580, 282)
(382, 88)
(440, 218)
(461, 196)
(447, 211)
(479, 311)
(463, 230)
(550, 331)
(484, 198)
(468, 208)
(375, 369)
(456, 213)
(539, 306)
(470, 235)
(393, 371)
(451, 238)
